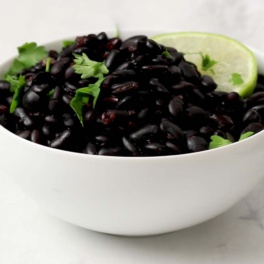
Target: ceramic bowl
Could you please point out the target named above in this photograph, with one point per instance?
(134, 196)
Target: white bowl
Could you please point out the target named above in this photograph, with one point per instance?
(134, 196)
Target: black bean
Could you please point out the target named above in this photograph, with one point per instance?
(91, 148)
(70, 72)
(70, 88)
(190, 133)
(114, 43)
(173, 131)
(59, 66)
(113, 60)
(61, 140)
(144, 132)
(130, 146)
(68, 120)
(3, 109)
(175, 73)
(4, 86)
(172, 147)
(207, 131)
(207, 84)
(46, 130)
(253, 127)
(256, 99)
(176, 106)
(224, 121)
(189, 71)
(124, 73)
(53, 54)
(124, 87)
(111, 115)
(102, 139)
(31, 100)
(89, 115)
(35, 136)
(82, 50)
(66, 98)
(182, 87)
(24, 134)
(176, 56)
(155, 69)
(67, 51)
(252, 116)
(155, 84)
(25, 119)
(154, 146)
(51, 119)
(124, 66)
(143, 113)
(197, 116)
(109, 151)
(131, 44)
(196, 144)
(40, 88)
(125, 102)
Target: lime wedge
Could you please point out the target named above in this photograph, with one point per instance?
(231, 64)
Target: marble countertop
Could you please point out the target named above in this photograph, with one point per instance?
(29, 236)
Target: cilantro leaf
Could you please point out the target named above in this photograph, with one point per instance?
(67, 43)
(207, 62)
(167, 54)
(217, 141)
(28, 55)
(82, 96)
(236, 79)
(246, 135)
(17, 83)
(88, 68)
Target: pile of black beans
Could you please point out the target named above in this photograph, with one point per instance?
(150, 104)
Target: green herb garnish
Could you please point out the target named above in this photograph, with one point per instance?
(117, 32)
(50, 93)
(167, 54)
(236, 79)
(17, 83)
(88, 68)
(67, 43)
(246, 135)
(47, 69)
(83, 95)
(207, 62)
(28, 55)
(217, 141)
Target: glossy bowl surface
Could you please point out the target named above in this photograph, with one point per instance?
(131, 195)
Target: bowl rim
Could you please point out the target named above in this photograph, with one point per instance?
(226, 148)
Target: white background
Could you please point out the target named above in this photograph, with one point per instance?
(30, 236)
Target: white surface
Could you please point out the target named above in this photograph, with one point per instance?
(28, 235)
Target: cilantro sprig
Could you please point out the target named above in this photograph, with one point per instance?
(217, 141)
(207, 63)
(87, 68)
(17, 83)
(82, 97)
(28, 55)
